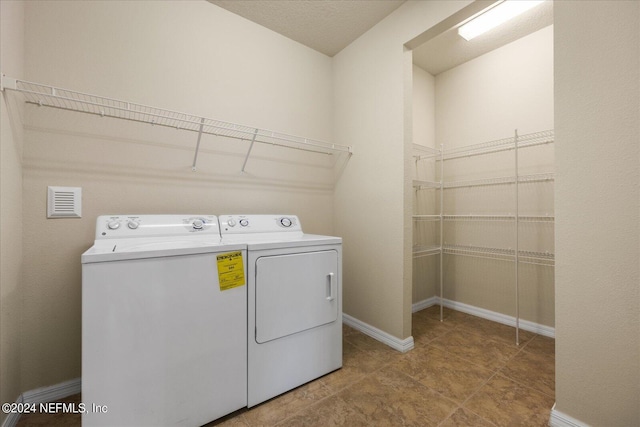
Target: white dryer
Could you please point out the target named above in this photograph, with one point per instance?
(164, 338)
(294, 302)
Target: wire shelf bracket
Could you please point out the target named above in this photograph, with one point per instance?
(66, 99)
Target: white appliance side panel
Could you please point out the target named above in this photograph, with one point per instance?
(161, 343)
(294, 293)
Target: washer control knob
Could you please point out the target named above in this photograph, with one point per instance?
(231, 222)
(244, 222)
(286, 222)
(197, 224)
(113, 225)
(133, 224)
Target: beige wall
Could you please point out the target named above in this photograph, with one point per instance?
(185, 56)
(373, 199)
(488, 97)
(423, 102)
(597, 95)
(11, 289)
(425, 232)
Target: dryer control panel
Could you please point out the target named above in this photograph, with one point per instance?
(248, 224)
(126, 226)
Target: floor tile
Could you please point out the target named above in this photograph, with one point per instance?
(507, 403)
(464, 418)
(495, 331)
(534, 370)
(356, 364)
(330, 412)
(476, 348)
(372, 347)
(541, 345)
(449, 375)
(284, 406)
(425, 329)
(235, 419)
(448, 315)
(464, 371)
(54, 419)
(389, 397)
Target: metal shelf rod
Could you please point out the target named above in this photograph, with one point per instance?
(195, 156)
(246, 158)
(441, 231)
(517, 251)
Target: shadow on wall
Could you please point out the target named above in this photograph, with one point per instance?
(117, 149)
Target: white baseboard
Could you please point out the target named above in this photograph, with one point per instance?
(402, 345)
(425, 303)
(44, 395)
(559, 419)
(525, 325)
(12, 419)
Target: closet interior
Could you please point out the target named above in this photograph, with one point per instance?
(483, 186)
(493, 217)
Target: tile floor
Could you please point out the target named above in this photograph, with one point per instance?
(465, 371)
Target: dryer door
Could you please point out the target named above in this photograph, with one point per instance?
(295, 292)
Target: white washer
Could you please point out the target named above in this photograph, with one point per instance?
(162, 342)
(294, 302)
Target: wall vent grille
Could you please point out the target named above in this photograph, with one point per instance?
(64, 202)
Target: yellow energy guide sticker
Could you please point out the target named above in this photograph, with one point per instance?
(230, 270)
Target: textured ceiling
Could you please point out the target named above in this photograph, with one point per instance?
(327, 26)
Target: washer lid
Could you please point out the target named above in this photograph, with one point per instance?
(153, 247)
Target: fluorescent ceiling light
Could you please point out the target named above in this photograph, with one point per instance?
(495, 16)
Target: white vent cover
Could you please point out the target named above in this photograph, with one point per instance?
(64, 202)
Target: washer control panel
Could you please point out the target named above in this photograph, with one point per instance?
(125, 226)
(242, 224)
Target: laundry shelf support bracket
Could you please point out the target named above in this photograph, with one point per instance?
(7, 83)
(253, 140)
(195, 156)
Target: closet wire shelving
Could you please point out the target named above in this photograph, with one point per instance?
(66, 99)
(516, 255)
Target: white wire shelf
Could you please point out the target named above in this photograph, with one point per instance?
(527, 257)
(510, 220)
(505, 218)
(537, 218)
(65, 99)
(422, 251)
(537, 258)
(540, 177)
(426, 217)
(421, 185)
(505, 144)
(536, 177)
(421, 152)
